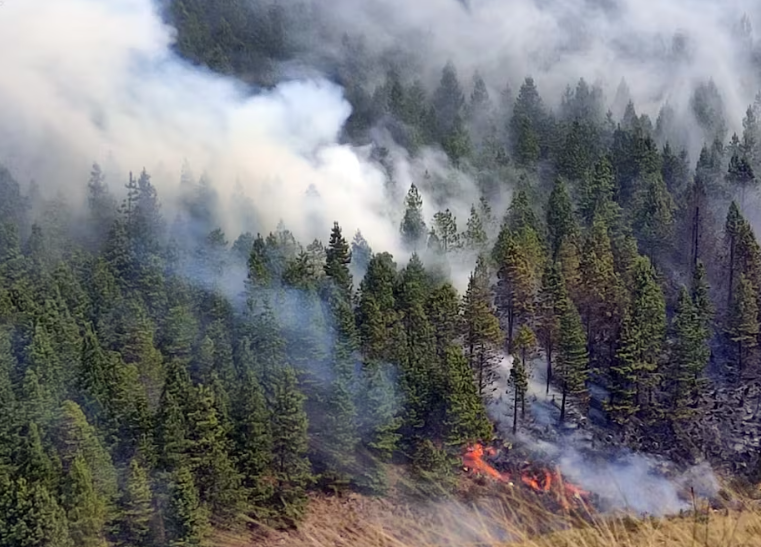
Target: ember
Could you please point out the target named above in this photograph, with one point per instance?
(538, 480)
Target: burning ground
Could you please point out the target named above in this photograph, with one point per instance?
(584, 454)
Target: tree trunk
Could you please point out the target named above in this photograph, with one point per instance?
(562, 402)
(549, 368)
(731, 272)
(515, 412)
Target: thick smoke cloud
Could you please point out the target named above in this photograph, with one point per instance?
(83, 80)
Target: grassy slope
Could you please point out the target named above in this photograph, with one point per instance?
(358, 521)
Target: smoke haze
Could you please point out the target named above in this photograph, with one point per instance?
(84, 80)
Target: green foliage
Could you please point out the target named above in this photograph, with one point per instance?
(413, 228)
(482, 335)
(135, 508)
(187, 521)
(289, 447)
(31, 516)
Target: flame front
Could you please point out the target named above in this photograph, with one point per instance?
(540, 481)
(473, 459)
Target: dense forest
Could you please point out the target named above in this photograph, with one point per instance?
(143, 400)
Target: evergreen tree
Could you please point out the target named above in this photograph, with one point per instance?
(84, 508)
(187, 522)
(135, 508)
(413, 227)
(208, 456)
(289, 447)
(552, 298)
(744, 324)
(561, 225)
(31, 516)
(253, 440)
(474, 237)
(445, 230)
(465, 417)
(690, 354)
(482, 332)
(635, 373)
(572, 367)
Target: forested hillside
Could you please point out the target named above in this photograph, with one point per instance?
(148, 392)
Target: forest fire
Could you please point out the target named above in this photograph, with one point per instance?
(537, 479)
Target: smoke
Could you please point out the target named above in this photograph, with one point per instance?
(662, 48)
(624, 480)
(84, 80)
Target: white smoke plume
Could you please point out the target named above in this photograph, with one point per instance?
(85, 80)
(624, 480)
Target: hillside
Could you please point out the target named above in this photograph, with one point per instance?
(266, 265)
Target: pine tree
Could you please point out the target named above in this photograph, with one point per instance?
(465, 419)
(597, 192)
(561, 224)
(31, 460)
(413, 227)
(516, 288)
(552, 298)
(253, 440)
(740, 175)
(135, 508)
(474, 237)
(208, 456)
(731, 231)
(482, 332)
(635, 373)
(74, 436)
(600, 291)
(572, 358)
(690, 354)
(84, 508)
(31, 516)
(186, 519)
(289, 447)
(445, 229)
(744, 324)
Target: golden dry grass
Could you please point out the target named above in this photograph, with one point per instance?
(499, 519)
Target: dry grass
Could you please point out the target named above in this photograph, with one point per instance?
(499, 519)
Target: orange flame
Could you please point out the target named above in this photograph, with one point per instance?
(473, 459)
(541, 481)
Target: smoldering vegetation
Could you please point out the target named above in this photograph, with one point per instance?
(574, 181)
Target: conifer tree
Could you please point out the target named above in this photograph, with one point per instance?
(552, 298)
(516, 288)
(572, 366)
(744, 325)
(30, 515)
(339, 430)
(600, 290)
(561, 224)
(474, 237)
(482, 333)
(413, 227)
(635, 373)
(253, 440)
(85, 510)
(690, 354)
(135, 508)
(525, 343)
(187, 521)
(445, 229)
(465, 417)
(731, 231)
(208, 456)
(289, 447)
